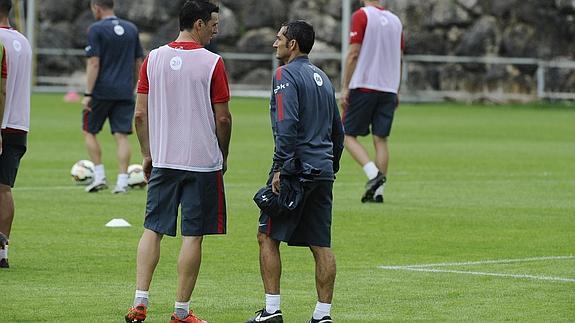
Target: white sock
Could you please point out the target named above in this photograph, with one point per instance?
(272, 303)
(321, 310)
(141, 297)
(182, 309)
(122, 180)
(99, 172)
(4, 252)
(370, 170)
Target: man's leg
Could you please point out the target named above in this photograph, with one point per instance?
(188, 270)
(188, 267)
(374, 175)
(382, 161)
(270, 263)
(148, 257)
(356, 150)
(123, 154)
(381, 153)
(93, 147)
(325, 270)
(270, 269)
(6, 218)
(95, 153)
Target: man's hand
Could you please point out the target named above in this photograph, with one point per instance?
(224, 166)
(276, 183)
(344, 97)
(147, 167)
(87, 103)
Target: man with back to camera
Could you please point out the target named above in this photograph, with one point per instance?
(14, 116)
(307, 127)
(114, 58)
(184, 127)
(370, 88)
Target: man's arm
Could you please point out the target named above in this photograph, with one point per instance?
(142, 130)
(337, 138)
(92, 70)
(223, 119)
(2, 105)
(287, 120)
(137, 68)
(350, 65)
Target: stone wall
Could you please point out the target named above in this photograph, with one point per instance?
(542, 29)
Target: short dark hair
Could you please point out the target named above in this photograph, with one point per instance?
(108, 4)
(303, 34)
(194, 10)
(5, 7)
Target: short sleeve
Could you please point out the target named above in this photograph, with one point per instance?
(143, 83)
(93, 48)
(220, 91)
(358, 25)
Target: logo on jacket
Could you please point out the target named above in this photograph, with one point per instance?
(318, 80)
(280, 87)
(176, 63)
(17, 45)
(119, 30)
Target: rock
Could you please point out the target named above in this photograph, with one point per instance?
(258, 76)
(425, 43)
(258, 14)
(518, 41)
(257, 41)
(326, 27)
(56, 10)
(80, 29)
(228, 28)
(566, 6)
(448, 13)
(481, 39)
(165, 34)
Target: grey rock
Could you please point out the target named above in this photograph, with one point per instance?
(449, 13)
(257, 41)
(228, 26)
(56, 10)
(481, 39)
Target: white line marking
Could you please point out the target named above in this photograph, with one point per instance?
(428, 268)
(479, 273)
(485, 262)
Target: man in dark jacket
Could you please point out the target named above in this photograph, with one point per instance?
(307, 129)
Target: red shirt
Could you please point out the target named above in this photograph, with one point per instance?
(220, 91)
(358, 26)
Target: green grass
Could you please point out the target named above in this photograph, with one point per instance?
(466, 183)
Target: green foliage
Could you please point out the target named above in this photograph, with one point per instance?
(466, 183)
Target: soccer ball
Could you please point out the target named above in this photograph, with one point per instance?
(136, 176)
(83, 172)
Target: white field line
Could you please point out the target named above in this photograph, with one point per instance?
(429, 268)
(483, 262)
(479, 273)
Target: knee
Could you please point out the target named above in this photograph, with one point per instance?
(5, 189)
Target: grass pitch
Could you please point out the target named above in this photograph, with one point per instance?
(467, 184)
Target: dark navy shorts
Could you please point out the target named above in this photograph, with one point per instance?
(13, 148)
(310, 224)
(369, 108)
(199, 195)
(119, 112)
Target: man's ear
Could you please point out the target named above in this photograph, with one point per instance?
(293, 44)
(199, 24)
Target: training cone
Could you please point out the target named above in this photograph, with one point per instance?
(72, 97)
(118, 223)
